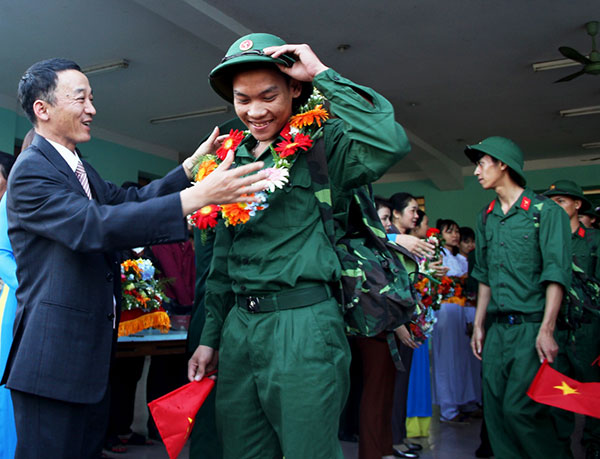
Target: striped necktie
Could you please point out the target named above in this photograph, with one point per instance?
(82, 177)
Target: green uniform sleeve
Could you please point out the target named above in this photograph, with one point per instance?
(480, 271)
(219, 297)
(365, 140)
(555, 245)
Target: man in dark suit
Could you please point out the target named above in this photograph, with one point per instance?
(65, 224)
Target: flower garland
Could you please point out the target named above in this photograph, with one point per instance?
(299, 134)
(143, 296)
(432, 291)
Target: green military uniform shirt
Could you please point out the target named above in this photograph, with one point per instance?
(285, 246)
(515, 259)
(585, 243)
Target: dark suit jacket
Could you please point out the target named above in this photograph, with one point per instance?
(65, 247)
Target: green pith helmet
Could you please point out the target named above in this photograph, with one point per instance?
(249, 50)
(571, 189)
(502, 149)
(590, 212)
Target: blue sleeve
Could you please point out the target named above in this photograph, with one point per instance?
(8, 266)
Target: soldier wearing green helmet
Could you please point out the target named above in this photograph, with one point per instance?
(523, 265)
(578, 358)
(272, 325)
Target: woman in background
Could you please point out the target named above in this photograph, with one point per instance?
(453, 389)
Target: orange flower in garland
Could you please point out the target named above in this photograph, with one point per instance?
(316, 115)
(230, 143)
(205, 168)
(236, 213)
(206, 217)
(288, 147)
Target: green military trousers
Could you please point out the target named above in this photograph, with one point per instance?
(282, 383)
(578, 361)
(518, 427)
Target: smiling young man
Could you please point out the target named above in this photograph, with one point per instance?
(523, 265)
(581, 354)
(272, 322)
(66, 225)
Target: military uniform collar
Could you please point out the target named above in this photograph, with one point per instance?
(522, 204)
(580, 232)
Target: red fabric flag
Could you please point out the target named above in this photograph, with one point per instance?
(553, 388)
(175, 413)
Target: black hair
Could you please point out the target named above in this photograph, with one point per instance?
(39, 82)
(400, 201)
(511, 173)
(381, 202)
(421, 215)
(466, 233)
(446, 223)
(6, 163)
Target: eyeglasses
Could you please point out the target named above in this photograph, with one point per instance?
(288, 60)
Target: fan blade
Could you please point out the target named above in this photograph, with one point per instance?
(573, 54)
(571, 76)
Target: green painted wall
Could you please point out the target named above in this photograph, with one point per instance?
(114, 162)
(8, 122)
(463, 205)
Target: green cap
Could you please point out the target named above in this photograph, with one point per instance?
(571, 189)
(502, 149)
(249, 50)
(590, 212)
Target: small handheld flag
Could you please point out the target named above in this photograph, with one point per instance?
(553, 388)
(175, 413)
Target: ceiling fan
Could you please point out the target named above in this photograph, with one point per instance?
(591, 64)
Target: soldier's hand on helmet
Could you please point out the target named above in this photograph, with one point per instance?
(404, 336)
(307, 64)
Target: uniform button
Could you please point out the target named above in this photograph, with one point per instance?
(502, 284)
(110, 277)
(502, 304)
(502, 265)
(110, 316)
(502, 223)
(502, 244)
(336, 78)
(526, 236)
(243, 288)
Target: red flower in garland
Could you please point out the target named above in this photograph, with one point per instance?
(206, 217)
(431, 232)
(288, 147)
(230, 143)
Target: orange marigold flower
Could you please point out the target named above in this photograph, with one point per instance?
(131, 264)
(205, 168)
(236, 213)
(206, 217)
(288, 147)
(316, 115)
(230, 143)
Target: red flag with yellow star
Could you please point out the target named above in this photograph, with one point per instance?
(175, 413)
(553, 388)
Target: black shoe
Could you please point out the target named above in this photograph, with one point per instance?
(412, 447)
(409, 454)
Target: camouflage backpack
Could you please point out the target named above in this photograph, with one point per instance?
(584, 293)
(376, 292)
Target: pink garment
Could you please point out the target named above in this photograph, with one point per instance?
(178, 263)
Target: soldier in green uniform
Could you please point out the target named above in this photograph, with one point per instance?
(271, 320)
(523, 265)
(585, 243)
